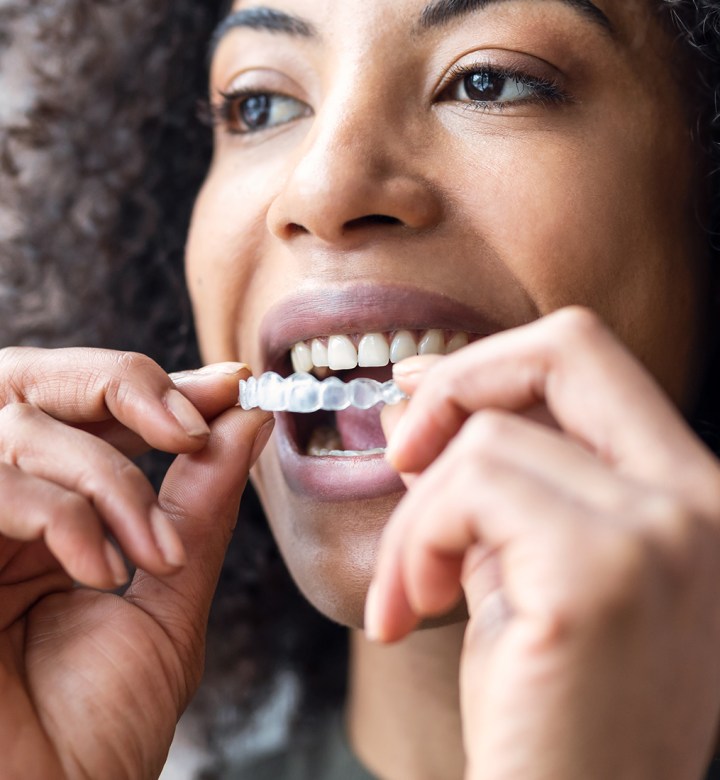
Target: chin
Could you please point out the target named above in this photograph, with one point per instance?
(329, 546)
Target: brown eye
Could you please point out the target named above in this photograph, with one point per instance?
(484, 85)
(252, 112)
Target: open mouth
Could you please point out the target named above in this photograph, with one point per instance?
(353, 331)
(354, 432)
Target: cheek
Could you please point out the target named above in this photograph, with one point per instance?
(605, 227)
(222, 257)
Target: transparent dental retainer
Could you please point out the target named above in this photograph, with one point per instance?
(303, 393)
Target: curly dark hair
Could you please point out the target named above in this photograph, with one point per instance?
(96, 189)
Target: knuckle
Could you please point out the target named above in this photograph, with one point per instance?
(128, 365)
(112, 472)
(69, 509)
(486, 428)
(20, 370)
(16, 420)
(675, 535)
(17, 414)
(130, 362)
(125, 471)
(578, 323)
(625, 560)
(667, 512)
(12, 357)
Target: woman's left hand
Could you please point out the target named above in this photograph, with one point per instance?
(588, 553)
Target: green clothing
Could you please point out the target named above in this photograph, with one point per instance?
(327, 756)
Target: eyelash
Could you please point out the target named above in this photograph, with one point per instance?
(547, 92)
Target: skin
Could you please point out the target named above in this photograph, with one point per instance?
(586, 546)
(613, 228)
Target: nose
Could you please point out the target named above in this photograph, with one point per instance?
(353, 175)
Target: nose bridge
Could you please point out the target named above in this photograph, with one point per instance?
(342, 154)
(344, 148)
(354, 164)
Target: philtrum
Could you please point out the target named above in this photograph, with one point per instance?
(304, 393)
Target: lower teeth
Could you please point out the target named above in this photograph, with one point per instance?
(344, 453)
(325, 442)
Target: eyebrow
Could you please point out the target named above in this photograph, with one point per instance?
(263, 19)
(441, 12)
(436, 14)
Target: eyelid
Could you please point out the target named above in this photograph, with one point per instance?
(258, 78)
(503, 60)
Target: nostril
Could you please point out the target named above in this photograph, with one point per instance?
(372, 219)
(293, 229)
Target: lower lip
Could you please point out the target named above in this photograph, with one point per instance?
(334, 478)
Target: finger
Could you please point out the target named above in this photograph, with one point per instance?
(201, 494)
(32, 573)
(390, 417)
(33, 508)
(211, 389)
(93, 386)
(88, 466)
(537, 450)
(565, 361)
(460, 504)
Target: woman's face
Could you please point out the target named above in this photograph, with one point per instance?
(389, 165)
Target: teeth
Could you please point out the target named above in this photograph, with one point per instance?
(325, 442)
(373, 351)
(320, 356)
(301, 357)
(432, 343)
(323, 453)
(341, 353)
(319, 353)
(403, 346)
(458, 341)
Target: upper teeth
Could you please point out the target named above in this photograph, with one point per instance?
(372, 349)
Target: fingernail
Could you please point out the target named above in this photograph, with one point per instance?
(186, 414)
(409, 366)
(167, 539)
(228, 369)
(115, 562)
(263, 435)
(372, 614)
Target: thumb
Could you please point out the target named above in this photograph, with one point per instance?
(201, 496)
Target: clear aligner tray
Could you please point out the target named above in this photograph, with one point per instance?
(305, 393)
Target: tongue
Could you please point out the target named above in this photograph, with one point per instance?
(360, 429)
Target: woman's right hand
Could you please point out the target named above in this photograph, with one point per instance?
(93, 683)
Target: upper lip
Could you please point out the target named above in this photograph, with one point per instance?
(364, 308)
